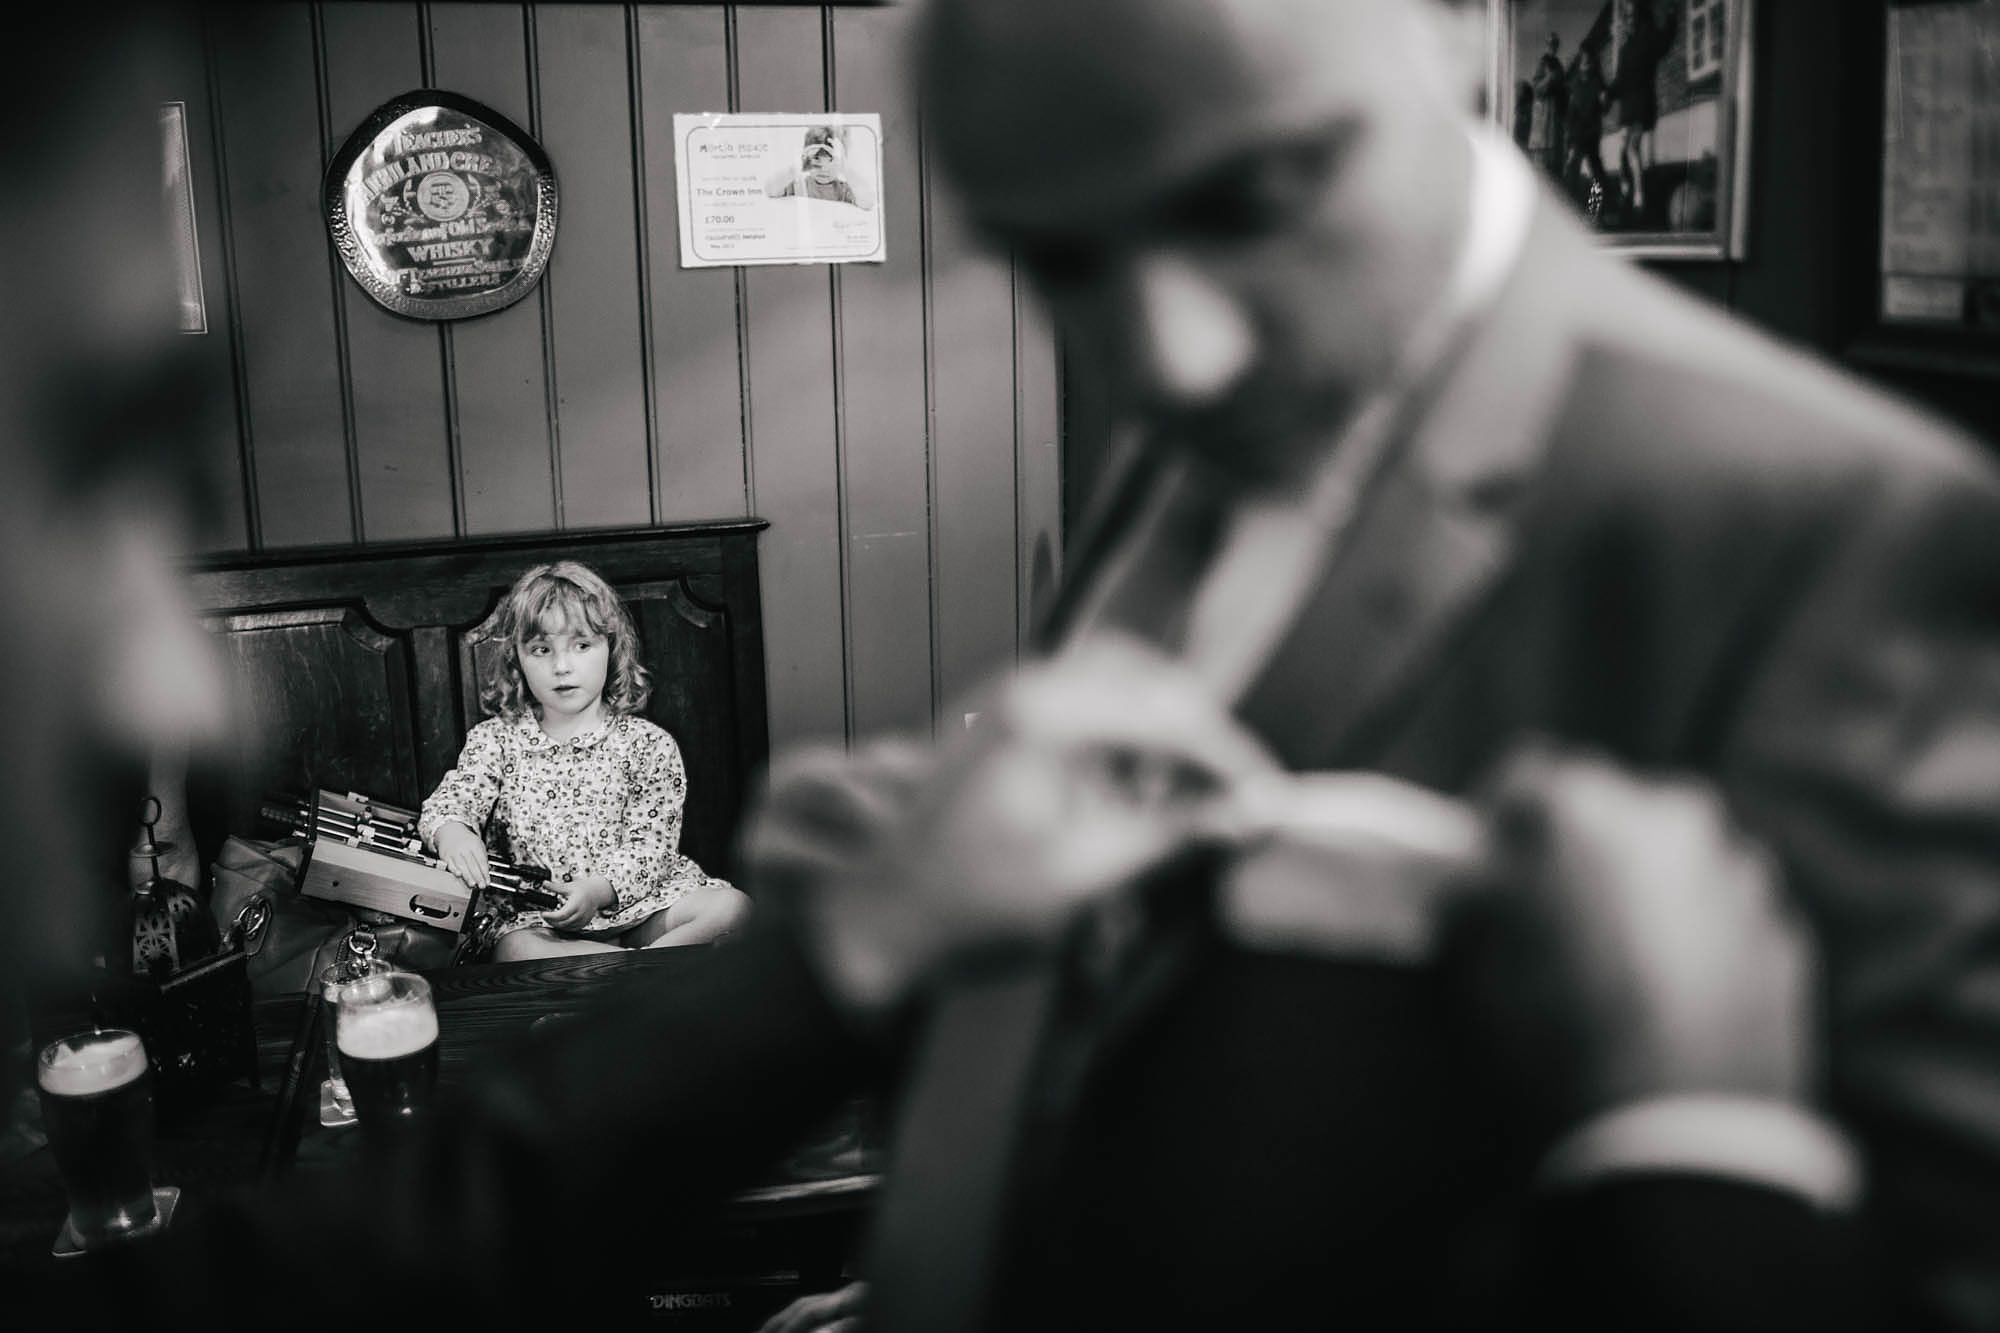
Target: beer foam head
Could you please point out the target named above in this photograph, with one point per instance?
(384, 1032)
(90, 1063)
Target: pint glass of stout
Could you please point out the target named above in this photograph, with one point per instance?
(387, 1032)
(97, 1106)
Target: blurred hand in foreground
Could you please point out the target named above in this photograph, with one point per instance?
(1627, 942)
(1083, 772)
(1635, 944)
(836, 1311)
(1346, 864)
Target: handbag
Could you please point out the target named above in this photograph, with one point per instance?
(304, 934)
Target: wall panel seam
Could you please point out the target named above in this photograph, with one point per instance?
(745, 423)
(1061, 390)
(357, 524)
(238, 360)
(545, 288)
(927, 282)
(829, 98)
(635, 104)
(1014, 367)
(454, 443)
(426, 48)
(844, 553)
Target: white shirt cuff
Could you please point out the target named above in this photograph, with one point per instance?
(1762, 1141)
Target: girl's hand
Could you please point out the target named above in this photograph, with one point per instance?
(462, 852)
(587, 897)
(1083, 773)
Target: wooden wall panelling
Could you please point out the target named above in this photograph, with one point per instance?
(742, 592)
(793, 466)
(500, 390)
(593, 277)
(882, 418)
(683, 54)
(294, 416)
(322, 699)
(892, 422)
(395, 370)
(972, 449)
(685, 625)
(1037, 458)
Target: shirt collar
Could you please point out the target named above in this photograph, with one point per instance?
(1500, 208)
(531, 731)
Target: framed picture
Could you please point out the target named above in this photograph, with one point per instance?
(178, 187)
(1636, 110)
(1940, 249)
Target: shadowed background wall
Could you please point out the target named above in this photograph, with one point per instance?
(897, 424)
(1815, 212)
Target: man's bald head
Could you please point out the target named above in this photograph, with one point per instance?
(1239, 209)
(1166, 82)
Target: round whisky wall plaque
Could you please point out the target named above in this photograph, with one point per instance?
(441, 208)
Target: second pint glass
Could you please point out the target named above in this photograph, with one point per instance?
(387, 1032)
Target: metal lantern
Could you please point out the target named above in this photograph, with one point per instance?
(171, 926)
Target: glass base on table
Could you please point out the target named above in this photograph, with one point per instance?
(69, 1245)
(331, 1112)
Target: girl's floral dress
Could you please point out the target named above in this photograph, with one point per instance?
(606, 803)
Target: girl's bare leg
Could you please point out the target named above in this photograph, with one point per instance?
(699, 917)
(648, 930)
(541, 942)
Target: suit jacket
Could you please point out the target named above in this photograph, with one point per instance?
(1631, 524)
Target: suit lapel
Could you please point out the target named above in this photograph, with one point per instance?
(1370, 623)
(1437, 528)
(1120, 498)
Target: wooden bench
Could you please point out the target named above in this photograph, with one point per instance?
(358, 669)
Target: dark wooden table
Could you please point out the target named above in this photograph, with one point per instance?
(223, 1143)
(797, 1228)
(483, 1008)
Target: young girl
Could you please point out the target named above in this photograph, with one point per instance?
(576, 781)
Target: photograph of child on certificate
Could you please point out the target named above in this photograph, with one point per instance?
(822, 172)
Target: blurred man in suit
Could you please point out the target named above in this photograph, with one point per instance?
(1422, 476)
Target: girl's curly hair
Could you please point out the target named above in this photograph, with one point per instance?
(565, 593)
